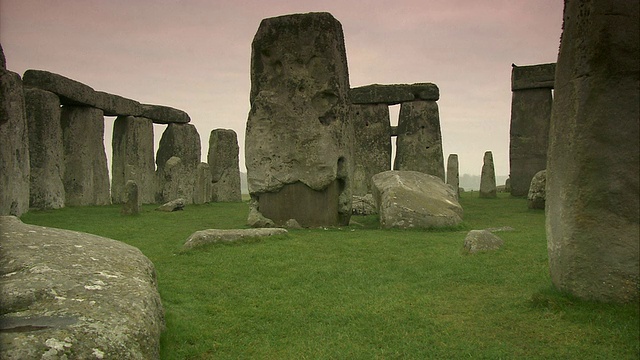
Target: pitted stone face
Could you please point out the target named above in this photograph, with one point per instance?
(299, 128)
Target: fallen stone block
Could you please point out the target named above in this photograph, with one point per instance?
(211, 236)
(481, 240)
(174, 205)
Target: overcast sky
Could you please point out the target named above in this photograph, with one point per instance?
(195, 55)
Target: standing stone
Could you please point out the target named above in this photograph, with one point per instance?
(224, 165)
(46, 152)
(529, 135)
(453, 173)
(299, 137)
(537, 195)
(86, 176)
(488, 177)
(372, 151)
(14, 146)
(419, 143)
(131, 205)
(177, 181)
(132, 159)
(592, 206)
(202, 190)
(182, 141)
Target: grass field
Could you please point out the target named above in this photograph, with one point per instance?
(362, 293)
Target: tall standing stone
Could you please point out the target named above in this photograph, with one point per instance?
(419, 142)
(224, 165)
(592, 202)
(131, 204)
(299, 135)
(453, 173)
(46, 152)
(202, 189)
(86, 176)
(14, 146)
(182, 141)
(488, 177)
(372, 151)
(531, 105)
(132, 159)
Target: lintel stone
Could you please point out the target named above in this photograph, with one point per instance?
(394, 94)
(533, 76)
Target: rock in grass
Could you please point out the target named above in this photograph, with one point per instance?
(481, 240)
(66, 294)
(174, 205)
(210, 236)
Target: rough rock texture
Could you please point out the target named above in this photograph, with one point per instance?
(66, 294)
(131, 205)
(592, 206)
(224, 165)
(394, 94)
(411, 199)
(177, 181)
(14, 146)
(71, 92)
(529, 136)
(481, 240)
(299, 134)
(256, 219)
(419, 143)
(202, 188)
(3, 60)
(453, 173)
(488, 177)
(164, 114)
(115, 105)
(211, 236)
(46, 152)
(364, 205)
(86, 176)
(182, 141)
(173, 205)
(132, 158)
(372, 150)
(537, 195)
(533, 76)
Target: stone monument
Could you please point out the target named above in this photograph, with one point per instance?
(488, 177)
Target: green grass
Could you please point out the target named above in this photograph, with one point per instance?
(362, 293)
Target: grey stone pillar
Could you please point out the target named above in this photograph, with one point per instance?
(488, 177)
(86, 176)
(419, 143)
(182, 141)
(531, 105)
(224, 165)
(46, 151)
(299, 137)
(453, 173)
(592, 197)
(132, 159)
(202, 190)
(372, 130)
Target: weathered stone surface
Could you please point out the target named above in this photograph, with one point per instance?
(292, 224)
(131, 205)
(394, 94)
(372, 149)
(529, 136)
(71, 92)
(593, 170)
(115, 105)
(14, 146)
(3, 60)
(202, 189)
(488, 177)
(66, 294)
(364, 205)
(453, 173)
(537, 193)
(224, 165)
(256, 219)
(481, 240)
(132, 158)
(173, 205)
(533, 76)
(86, 176)
(182, 141)
(419, 143)
(46, 152)
(212, 236)
(411, 199)
(164, 114)
(299, 129)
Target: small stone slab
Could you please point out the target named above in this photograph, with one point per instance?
(533, 76)
(71, 92)
(160, 114)
(211, 236)
(174, 205)
(481, 240)
(394, 94)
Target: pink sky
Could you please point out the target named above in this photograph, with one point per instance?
(195, 55)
